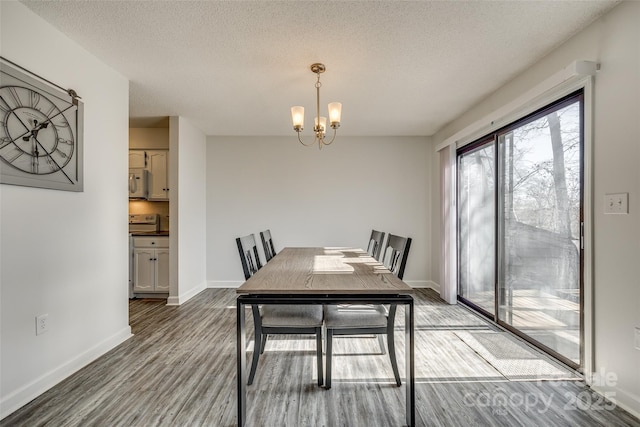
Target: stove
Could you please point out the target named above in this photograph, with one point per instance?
(144, 223)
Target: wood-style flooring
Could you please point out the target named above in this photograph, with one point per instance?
(179, 369)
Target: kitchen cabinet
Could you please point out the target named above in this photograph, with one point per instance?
(151, 264)
(158, 167)
(156, 163)
(137, 159)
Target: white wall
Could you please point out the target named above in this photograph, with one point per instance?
(64, 253)
(614, 42)
(311, 197)
(188, 207)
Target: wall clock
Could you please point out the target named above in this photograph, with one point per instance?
(40, 132)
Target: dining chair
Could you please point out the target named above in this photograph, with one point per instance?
(277, 319)
(374, 319)
(375, 244)
(267, 245)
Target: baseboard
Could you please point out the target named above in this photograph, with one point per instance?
(24, 395)
(224, 284)
(623, 399)
(182, 298)
(435, 286)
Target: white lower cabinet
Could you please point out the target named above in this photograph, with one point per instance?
(151, 264)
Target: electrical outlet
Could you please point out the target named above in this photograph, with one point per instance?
(616, 203)
(42, 324)
(637, 338)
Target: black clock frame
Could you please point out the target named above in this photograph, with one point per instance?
(41, 132)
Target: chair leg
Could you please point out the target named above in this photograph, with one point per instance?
(319, 355)
(256, 354)
(329, 337)
(324, 333)
(392, 356)
(258, 341)
(263, 343)
(383, 348)
(390, 341)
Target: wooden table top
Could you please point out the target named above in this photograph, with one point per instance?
(324, 271)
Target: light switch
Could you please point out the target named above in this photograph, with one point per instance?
(616, 203)
(637, 340)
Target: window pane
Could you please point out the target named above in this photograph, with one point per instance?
(476, 226)
(539, 229)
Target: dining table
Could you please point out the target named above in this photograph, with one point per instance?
(324, 275)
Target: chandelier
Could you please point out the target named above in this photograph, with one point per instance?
(320, 128)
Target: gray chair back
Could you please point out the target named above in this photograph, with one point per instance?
(248, 255)
(395, 254)
(267, 245)
(375, 244)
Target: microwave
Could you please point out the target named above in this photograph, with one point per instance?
(138, 179)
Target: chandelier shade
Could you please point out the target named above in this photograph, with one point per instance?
(297, 114)
(335, 111)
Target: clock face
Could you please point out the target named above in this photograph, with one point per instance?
(35, 138)
(40, 134)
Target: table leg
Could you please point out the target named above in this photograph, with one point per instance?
(409, 362)
(242, 363)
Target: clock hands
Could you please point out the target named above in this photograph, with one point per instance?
(35, 130)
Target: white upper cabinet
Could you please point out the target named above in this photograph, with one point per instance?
(156, 162)
(137, 159)
(158, 167)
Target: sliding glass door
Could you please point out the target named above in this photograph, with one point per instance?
(476, 225)
(520, 253)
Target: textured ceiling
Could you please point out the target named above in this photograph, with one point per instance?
(236, 67)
